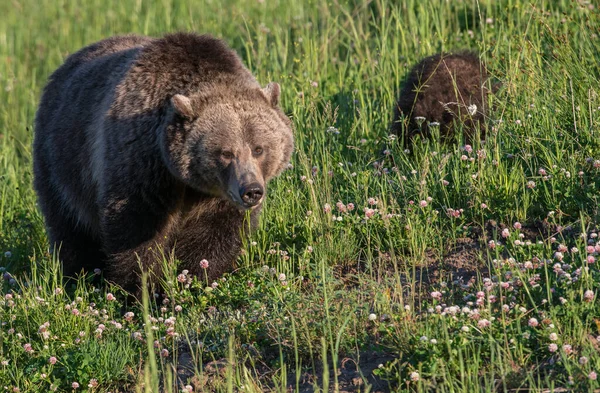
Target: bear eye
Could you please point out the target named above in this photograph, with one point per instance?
(227, 155)
(258, 151)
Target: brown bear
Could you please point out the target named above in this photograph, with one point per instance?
(440, 90)
(144, 144)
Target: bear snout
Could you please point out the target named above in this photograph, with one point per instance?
(252, 194)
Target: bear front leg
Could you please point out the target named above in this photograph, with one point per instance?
(213, 231)
(137, 236)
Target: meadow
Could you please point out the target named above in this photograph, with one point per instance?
(439, 267)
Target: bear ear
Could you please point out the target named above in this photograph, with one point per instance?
(272, 92)
(183, 106)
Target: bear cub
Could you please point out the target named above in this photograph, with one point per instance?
(443, 89)
(144, 144)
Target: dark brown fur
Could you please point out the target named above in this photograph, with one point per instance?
(440, 88)
(144, 143)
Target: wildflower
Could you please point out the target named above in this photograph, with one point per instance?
(562, 248)
(590, 259)
(505, 233)
(414, 376)
(590, 249)
(465, 329)
(327, 208)
(436, 295)
(492, 244)
(423, 203)
(583, 360)
(164, 353)
(372, 317)
(369, 213)
(110, 297)
(27, 347)
(483, 323)
(204, 264)
(531, 184)
(52, 360)
(282, 277)
(75, 385)
(372, 201)
(552, 347)
(592, 375)
(517, 225)
(588, 296)
(129, 316)
(553, 336)
(419, 120)
(93, 383)
(533, 322)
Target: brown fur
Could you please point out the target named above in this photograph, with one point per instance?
(441, 88)
(144, 143)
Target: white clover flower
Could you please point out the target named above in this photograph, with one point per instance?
(472, 109)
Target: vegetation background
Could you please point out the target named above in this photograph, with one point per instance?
(447, 268)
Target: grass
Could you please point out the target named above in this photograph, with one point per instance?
(491, 285)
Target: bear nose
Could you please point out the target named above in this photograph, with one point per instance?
(252, 194)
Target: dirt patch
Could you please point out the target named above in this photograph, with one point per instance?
(461, 263)
(354, 375)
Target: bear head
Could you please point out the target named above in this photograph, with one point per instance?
(228, 143)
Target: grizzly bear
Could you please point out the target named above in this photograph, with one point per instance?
(145, 144)
(440, 90)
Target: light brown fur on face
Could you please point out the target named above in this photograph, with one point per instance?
(238, 141)
(144, 143)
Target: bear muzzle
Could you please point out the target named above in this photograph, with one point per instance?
(252, 194)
